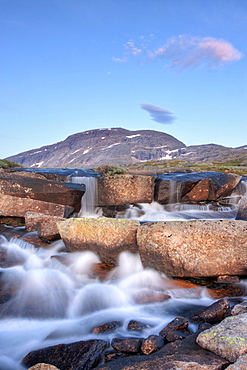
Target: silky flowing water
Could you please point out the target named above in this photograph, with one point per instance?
(54, 297)
(50, 296)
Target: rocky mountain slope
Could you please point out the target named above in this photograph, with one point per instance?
(118, 146)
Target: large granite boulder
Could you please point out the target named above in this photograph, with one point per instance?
(227, 339)
(28, 186)
(194, 248)
(125, 189)
(105, 236)
(17, 207)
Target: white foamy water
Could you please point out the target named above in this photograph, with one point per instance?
(173, 211)
(51, 297)
(90, 198)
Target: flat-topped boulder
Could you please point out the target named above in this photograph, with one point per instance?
(28, 186)
(105, 236)
(17, 207)
(194, 248)
(125, 189)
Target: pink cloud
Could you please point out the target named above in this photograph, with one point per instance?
(186, 52)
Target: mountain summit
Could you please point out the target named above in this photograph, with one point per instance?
(113, 146)
(118, 146)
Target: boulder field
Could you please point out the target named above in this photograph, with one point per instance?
(178, 248)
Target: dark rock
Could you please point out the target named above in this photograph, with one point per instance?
(107, 327)
(134, 325)
(185, 354)
(228, 290)
(214, 313)
(152, 344)
(176, 329)
(227, 279)
(84, 355)
(127, 345)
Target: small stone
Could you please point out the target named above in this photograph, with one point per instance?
(152, 344)
(127, 345)
(240, 308)
(107, 327)
(134, 325)
(214, 313)
(227, 279)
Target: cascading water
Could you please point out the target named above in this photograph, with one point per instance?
(177, 211)
(51, 297)
(90, 198)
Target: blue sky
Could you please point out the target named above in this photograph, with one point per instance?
(176, 66)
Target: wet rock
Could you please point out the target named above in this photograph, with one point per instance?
(214, 313)
(176, 329)
(107, 327)
(127, 345)
(231, 181)
(23, 186)
(242, 209)
(8, 259)
(107, 237)
(148, 296)
(171, 191)
(125, 189)
(78, 355)
(202, 191)
(17, 207)
(227, 339)
(134, 325)
(226, 279)
(46, 225)
(240, 308)
(227, 290)
(204, 326)
(194, 248)
(185, 354)
(152, 344)
(200, 186)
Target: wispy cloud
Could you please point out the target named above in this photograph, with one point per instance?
(158, 114)
(185, 52)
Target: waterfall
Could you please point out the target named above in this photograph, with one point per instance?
(174, 191)
(89, 200)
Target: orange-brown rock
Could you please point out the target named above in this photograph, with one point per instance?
(22, 186)
(105, 236)
(194, 248)
(46, 225)
(17, 207)
(125, 189)
(203, 190)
